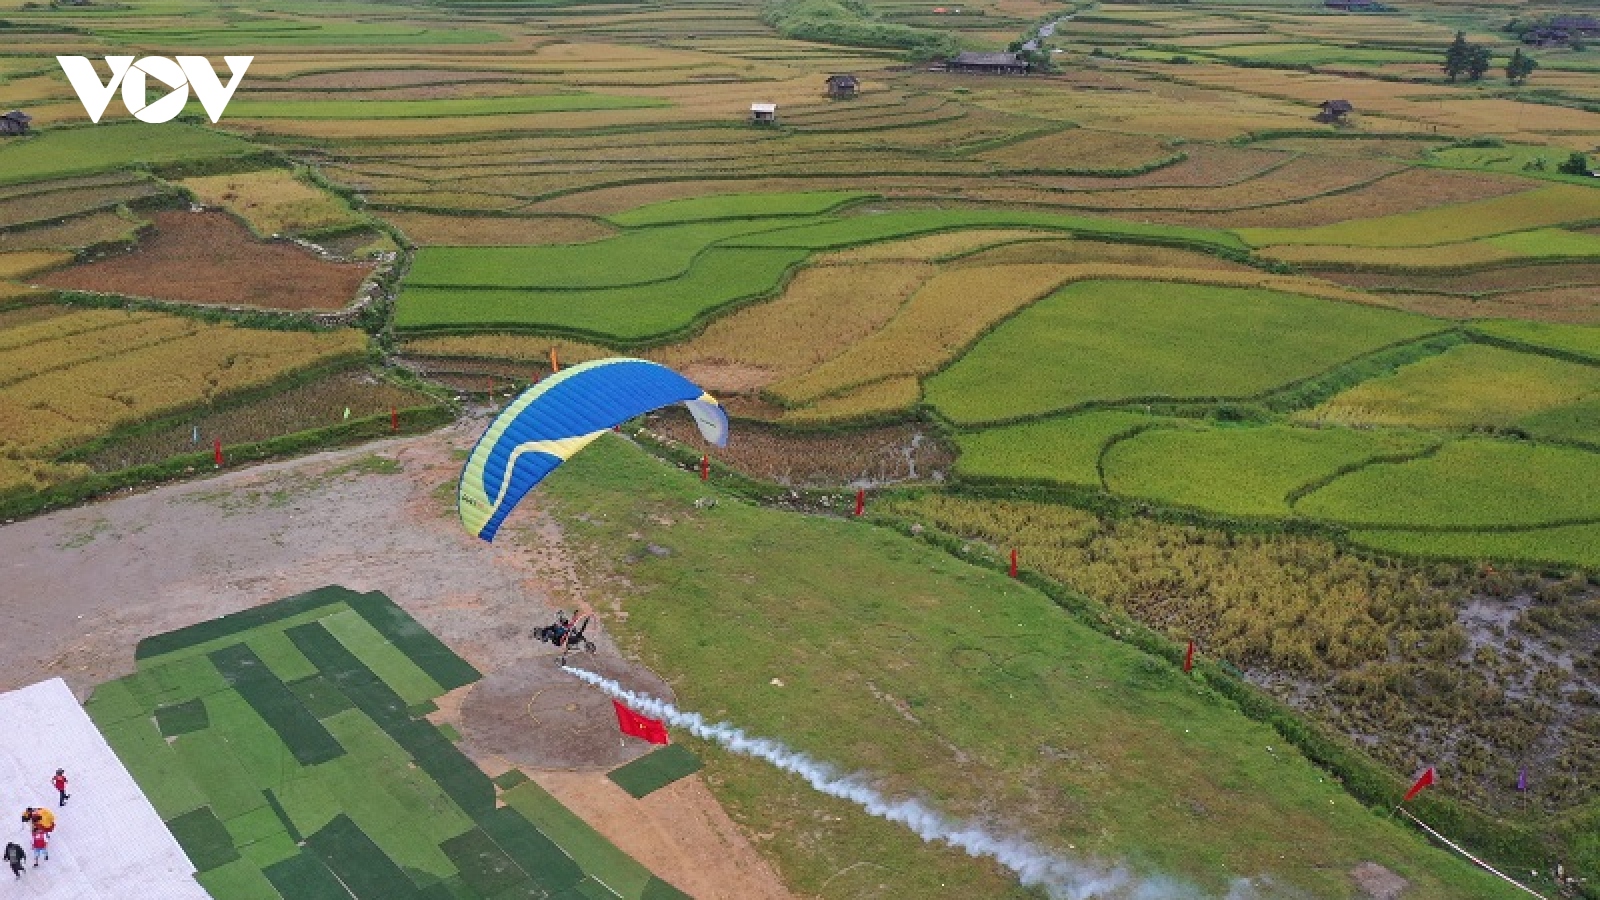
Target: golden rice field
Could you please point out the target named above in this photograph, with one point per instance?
(85, 373)
(824, 311)
(274, 201)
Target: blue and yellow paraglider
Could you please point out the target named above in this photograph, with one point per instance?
(550, 422)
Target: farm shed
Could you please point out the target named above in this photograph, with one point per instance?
(989, 63)
(1335, 110)
(15, 122)
(843, 86)
(764, 113)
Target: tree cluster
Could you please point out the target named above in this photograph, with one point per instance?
(1520, 66)
(1471, 60)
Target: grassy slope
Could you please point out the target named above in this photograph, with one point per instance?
(1065, 450)
(1110, 341)
(959, 685)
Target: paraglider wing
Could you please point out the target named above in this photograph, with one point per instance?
(550, 422)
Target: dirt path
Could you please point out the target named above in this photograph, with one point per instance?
(79, 588)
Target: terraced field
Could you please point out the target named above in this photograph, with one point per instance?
(1147, 285)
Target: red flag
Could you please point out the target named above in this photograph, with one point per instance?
(1426, 779)
(1188, 658)
(640, 726)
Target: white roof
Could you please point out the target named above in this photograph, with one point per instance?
(109, 843)
(764, 107)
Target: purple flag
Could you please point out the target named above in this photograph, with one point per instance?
(1522, 779)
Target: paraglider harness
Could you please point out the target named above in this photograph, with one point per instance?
(566, 635)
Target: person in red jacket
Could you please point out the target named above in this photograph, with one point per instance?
(60, 781)
(41, 845)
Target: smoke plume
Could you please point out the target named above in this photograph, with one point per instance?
(1034, 865)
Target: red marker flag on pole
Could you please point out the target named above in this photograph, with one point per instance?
(861, 500)
(1188, 658)
(705, 468)
(640, 726)
(1426, 780)
(216, 450)
(1013, 569)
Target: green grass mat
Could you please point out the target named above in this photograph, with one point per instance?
(241, 621)
(320, 696)
(209, 760)
(463, 781)
(114, 702)
(304, 877)
(508, 780)
(154, 764)
(204, 839)
(483, 865)
(549, 867)
(366, 871)
(587, 847)
(283, 816)
(386, 661)
(660, 890)
(307, 739)
(428, 652)
(286, 662)
(182, 718)
(239, 880)
(655, 771)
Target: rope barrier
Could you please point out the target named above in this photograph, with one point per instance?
(1454, 846)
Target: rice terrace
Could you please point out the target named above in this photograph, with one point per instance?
(1134, 450)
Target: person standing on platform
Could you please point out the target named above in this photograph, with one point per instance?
(60, 781)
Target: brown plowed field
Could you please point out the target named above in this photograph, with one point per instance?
(209, 258)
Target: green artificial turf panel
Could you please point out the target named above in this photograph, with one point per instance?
(304, 877)
(358, 862)
(429, 653)
(154, 765)
(308, 801)
(458, 776)
(114, 702)
(508, 780)
(182, 718)
(244, 620)
(660, 890)
(283, 816)
(175, 681)
(656, 770)
(211, 764)
(253, 742)
(385, 660)
(272, 848)
(587, 847)
(588, 889)
(203, 838)
(483, 865)
(307, 739)
(239, 880)
(320, 696)
(450, 733)
(254, 825)
(539, 856)
(281, 656)
(421, 710)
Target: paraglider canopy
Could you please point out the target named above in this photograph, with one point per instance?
(550, 422)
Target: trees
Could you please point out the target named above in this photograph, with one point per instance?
(1457, 57)
(1520, 67)
(1576, 164)
(1478, 62)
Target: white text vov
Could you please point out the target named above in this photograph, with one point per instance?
(187, 72)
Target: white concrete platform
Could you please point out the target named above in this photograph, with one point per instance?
(109, 843)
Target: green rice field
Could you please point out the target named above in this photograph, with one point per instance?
(1113, 342)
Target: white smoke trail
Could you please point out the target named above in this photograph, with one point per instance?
(1034, 865)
